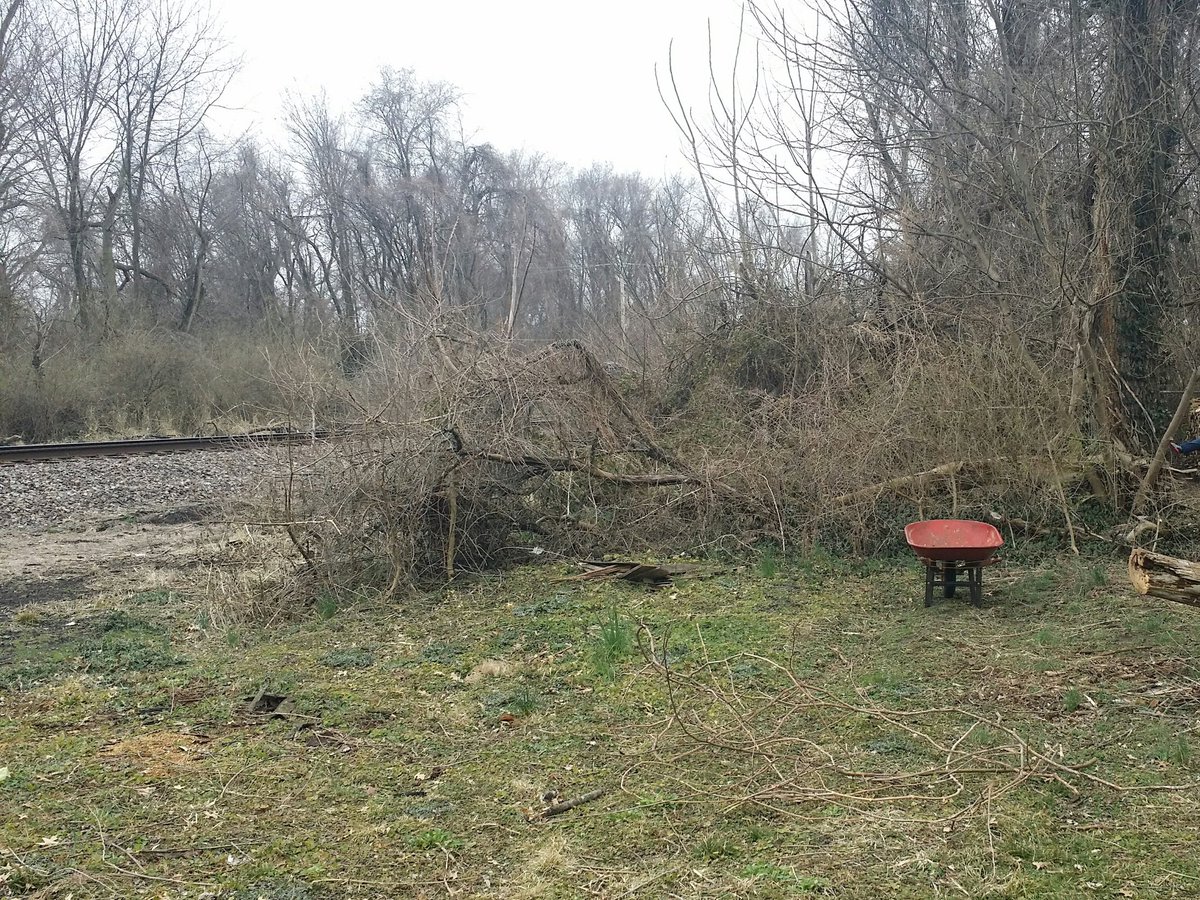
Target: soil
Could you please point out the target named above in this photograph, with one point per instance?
(69, 528)
(45, 565)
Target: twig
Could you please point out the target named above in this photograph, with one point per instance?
(452, 532)
(183, 851)
(567, 805)
(791, 767)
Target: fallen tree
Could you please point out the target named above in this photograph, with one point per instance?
(1166, 577)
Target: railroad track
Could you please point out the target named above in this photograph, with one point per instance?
(27, 453)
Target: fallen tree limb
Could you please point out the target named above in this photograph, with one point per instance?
(642, 573)
(1035, 528)
(1132, 533)
(566, 464)
(951, 470)
(945, 470)
(1160, 455)
(1166, 577)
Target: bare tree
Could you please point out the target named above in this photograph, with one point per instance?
(174, 67)
(19, 59)
(70, 117)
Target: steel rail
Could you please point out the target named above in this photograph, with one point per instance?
(26, 453)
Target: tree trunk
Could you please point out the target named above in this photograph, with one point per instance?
(8, 302)
(108, 268)
(1165, 577)
(76, 227)
(1131, 217)
(196, 289)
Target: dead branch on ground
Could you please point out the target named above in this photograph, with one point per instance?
(965, 760)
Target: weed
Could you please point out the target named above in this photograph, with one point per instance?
(890, 744)
(766, 871)
(326, 605)
(429, 809)
(26, 617)
(1169, 746)
(349, 658)
(768, 563)
(769, 871)
(886, 685)
(713, 848)
(1072, 699)
(614, 643)
(1048, 637)
(524, 701)
(761, 834)
(1151, 624)
(119, 620)
(158, 597)
(123, 643)
(441, 654)
(811, 884)
(435, 839)
(540, 606)
(276, 891)
(1036, 586)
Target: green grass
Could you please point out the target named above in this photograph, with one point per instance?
(435, 839)
(1072, 699)
(524, 701)
(397, 772)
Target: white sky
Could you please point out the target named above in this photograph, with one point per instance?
(571, 78)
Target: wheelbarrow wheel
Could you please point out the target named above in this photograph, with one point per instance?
(949, 580)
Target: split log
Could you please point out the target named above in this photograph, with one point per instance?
(1166, 577)
(642, 573)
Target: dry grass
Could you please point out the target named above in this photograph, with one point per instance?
(158, 382)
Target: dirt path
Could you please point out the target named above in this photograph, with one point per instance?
(40, 566)
(74, 527)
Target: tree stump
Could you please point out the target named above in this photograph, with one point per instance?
(1166, 577)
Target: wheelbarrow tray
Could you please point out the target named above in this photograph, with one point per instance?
(959, 540)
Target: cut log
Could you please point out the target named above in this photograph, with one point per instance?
(1166, 577)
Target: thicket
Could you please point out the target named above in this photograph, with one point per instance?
(489, 453)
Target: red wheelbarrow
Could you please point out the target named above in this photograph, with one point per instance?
(947, 547)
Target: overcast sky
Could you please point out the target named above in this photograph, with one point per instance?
(570, 78)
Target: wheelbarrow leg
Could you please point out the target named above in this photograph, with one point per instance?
(949, 579)
(975, 577)
(930, 572)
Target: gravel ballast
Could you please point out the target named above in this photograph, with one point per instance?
(74, 493)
